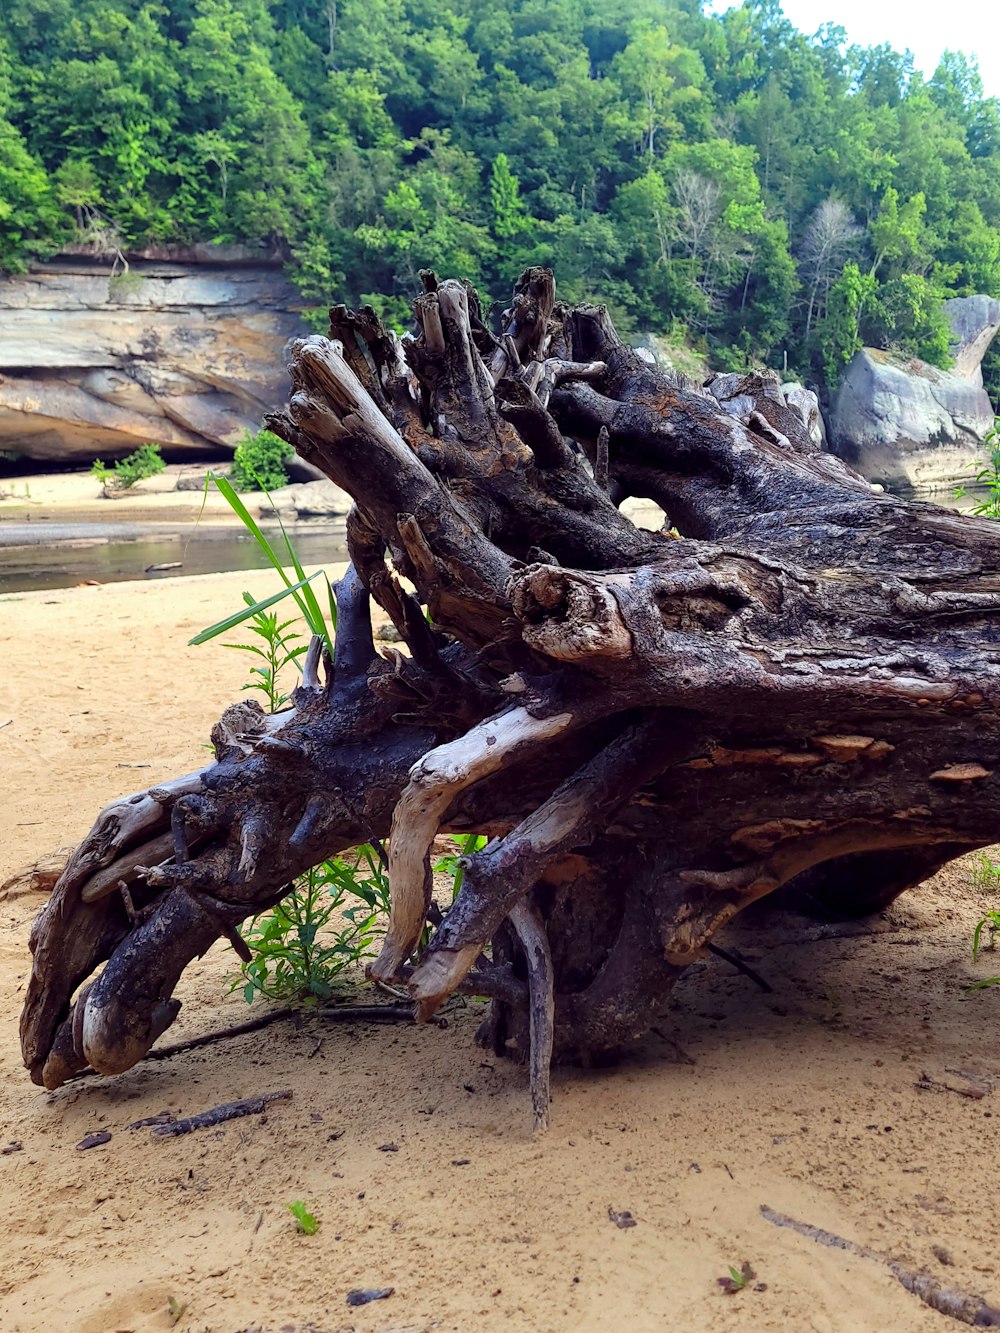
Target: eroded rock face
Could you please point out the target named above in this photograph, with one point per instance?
(806, 404)
(974, 321)
(184, 355)
(909, 425)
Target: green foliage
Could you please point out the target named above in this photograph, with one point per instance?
(305, 1223)
(278, 557)
(146, 461)
(259, 462)
(671, 161)
(336, 912)
(505, 200)
(986, 878)
(737, 1280)
(451, 862)
(324, 927)
(280, 646)
(986, 874)
(838, 333)
(988, 476)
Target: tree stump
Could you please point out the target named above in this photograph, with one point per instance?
(654, 730)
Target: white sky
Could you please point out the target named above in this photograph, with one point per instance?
(925, 27)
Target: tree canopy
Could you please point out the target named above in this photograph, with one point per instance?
(774, 197)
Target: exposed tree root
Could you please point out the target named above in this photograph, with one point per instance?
(803, 692)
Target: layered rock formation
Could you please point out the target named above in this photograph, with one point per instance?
(909, 425)
(185, 353)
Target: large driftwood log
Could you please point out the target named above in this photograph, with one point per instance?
(802, 690)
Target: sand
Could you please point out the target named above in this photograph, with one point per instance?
(48, 495)
(803, 1099)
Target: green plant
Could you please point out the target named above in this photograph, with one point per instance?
(988, 476)
(991, 923)
(146, 461)
(986, 878)
(451, 862)
(738, 1279)
(304, 596)
(279, 647)
(124, 284)
(985, 874)
(297, 950)
(259, 462)
(332, 916)
(305, 1222)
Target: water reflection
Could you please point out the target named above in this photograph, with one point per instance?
(105, 557)
(75, 550)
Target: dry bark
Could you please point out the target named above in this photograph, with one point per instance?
(801, 691)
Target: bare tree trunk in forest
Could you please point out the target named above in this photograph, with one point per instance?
(653, 732)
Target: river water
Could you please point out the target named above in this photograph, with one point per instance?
(43, 554)
(77, 549)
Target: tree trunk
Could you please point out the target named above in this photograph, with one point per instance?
(799, 692)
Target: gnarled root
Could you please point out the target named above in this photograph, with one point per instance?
(803, 690)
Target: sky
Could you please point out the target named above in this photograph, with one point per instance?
(925, 27)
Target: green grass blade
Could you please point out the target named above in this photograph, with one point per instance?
(314, 616)
(238, 617)
(307, 602)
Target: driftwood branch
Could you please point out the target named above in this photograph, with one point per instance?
(960, 1305)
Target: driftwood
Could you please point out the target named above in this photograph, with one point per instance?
(218, 1115)
(801, 691)
(964, 1306)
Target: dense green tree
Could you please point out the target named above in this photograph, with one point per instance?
(774, 197)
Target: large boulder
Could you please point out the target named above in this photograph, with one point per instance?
(186, 355)
(909, 425)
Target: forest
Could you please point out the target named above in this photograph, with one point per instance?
(767, 197)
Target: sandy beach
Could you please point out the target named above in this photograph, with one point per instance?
(413, 1149)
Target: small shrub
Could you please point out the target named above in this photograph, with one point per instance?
(147, 461)
(279, 647)
(986, 878)
(259, 462)
(985, 874)
(123, 285)
(330, 921)
(989, 476)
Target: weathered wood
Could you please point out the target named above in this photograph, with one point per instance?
(801, 693)
(218, 1115)
(964, 1306)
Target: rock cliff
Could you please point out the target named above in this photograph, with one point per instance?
(907, 424)
(185, 352)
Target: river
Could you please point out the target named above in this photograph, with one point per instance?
(72, 550)
(76, 549)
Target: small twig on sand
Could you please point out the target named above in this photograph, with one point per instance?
(740, 966)
(369, 1013)
(680, 1054)
(385, 989)
(960, 1305)
(218, 1114)
(345, 1013)
(977, 1091)
(208, 1038)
